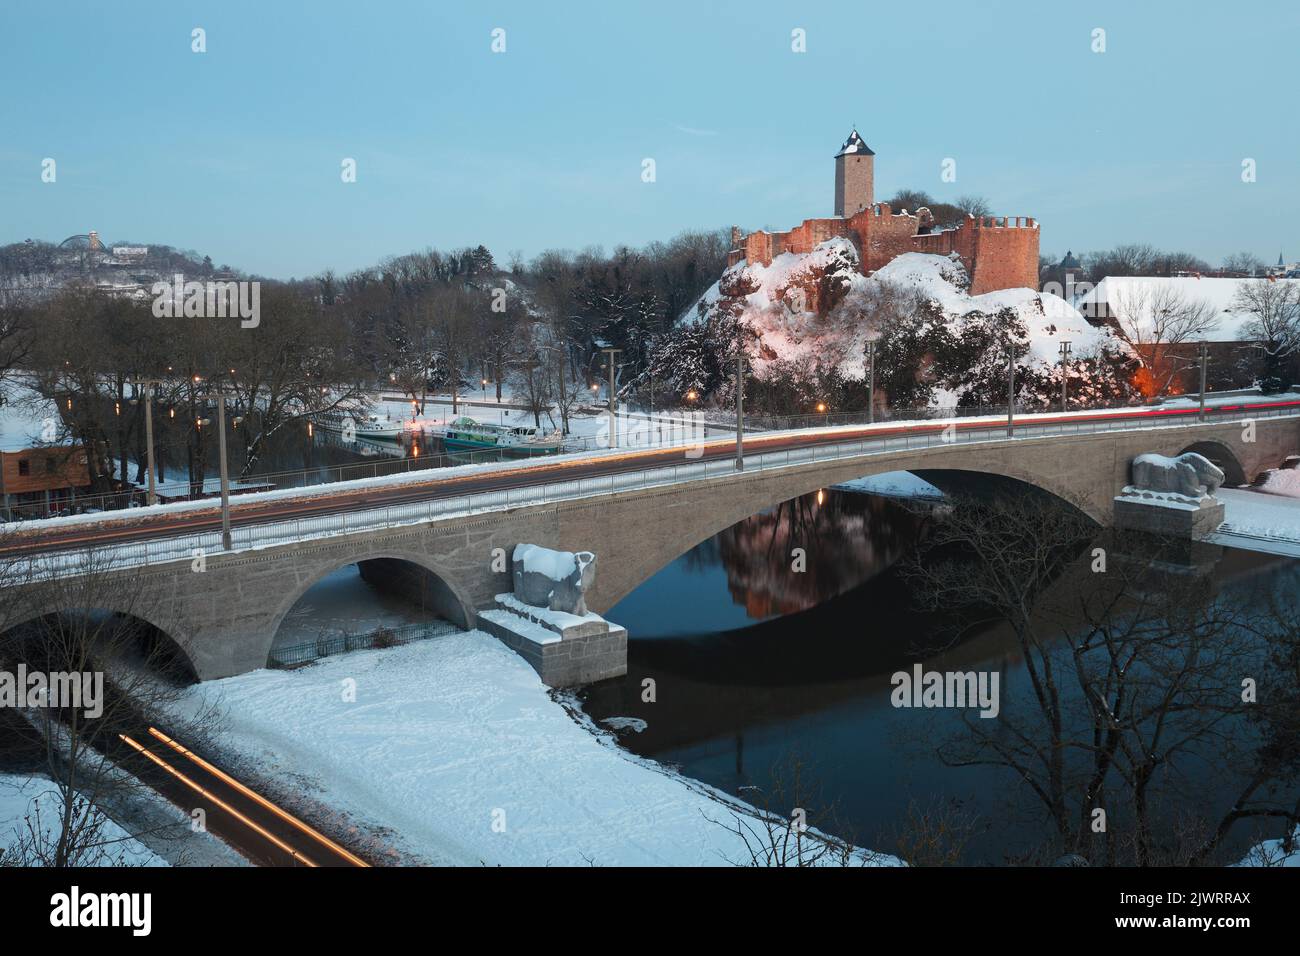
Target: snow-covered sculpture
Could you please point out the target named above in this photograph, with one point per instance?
(1190, 475)
(557, 580)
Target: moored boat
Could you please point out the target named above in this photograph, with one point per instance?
(466, 434)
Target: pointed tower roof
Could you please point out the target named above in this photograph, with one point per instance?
(855, 145)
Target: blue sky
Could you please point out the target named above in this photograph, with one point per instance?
(236, 152)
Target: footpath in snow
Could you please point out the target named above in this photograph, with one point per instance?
(452, 752)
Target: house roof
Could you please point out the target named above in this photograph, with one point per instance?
(1139, 293)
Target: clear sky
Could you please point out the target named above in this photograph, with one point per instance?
(237, 152)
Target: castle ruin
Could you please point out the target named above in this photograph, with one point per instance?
(999, 252)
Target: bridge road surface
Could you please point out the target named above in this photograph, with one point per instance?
(349, 498)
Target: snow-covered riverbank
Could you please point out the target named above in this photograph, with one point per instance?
(33, 798)
(451, 751)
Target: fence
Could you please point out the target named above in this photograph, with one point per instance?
(327, 645)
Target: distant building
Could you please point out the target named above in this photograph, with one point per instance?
(1137, 304)
(36, 482)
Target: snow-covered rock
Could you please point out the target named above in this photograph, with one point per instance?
(817, 308)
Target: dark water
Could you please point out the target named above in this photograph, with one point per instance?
(759, 668)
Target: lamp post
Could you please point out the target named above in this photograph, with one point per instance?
(1205, 359)
(613, 435)
(1065, 373)
(1011, 387)
(740, 409)
(148, 386)
(224, 470)
(871, 382)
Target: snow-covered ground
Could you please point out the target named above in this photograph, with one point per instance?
(1271, 853)
(1282, 481)
(21, 796)
(453, 752)
(1252, 511)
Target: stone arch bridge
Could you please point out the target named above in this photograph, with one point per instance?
(225, 617)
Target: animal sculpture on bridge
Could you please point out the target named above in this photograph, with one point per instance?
(1190, 475)
(558, 580)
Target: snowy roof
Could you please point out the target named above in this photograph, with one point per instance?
(854, 144)
(1139, 293)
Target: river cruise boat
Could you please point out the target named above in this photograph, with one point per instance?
(466, 434)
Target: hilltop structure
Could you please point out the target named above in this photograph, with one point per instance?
(999, 252)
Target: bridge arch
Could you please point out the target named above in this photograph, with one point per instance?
(653, 555)
(141, 631)
(1222, 455)
(438, 587)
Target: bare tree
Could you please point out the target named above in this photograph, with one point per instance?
(1134, 673)
(128, 673)
(1245, 262)
(1274, 306)
(976, 206)
(1155, 319)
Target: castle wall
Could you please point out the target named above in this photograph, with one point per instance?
(1006, 255)
(999, 252)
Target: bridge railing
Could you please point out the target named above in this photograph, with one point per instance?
(197, 547)
(644, 430)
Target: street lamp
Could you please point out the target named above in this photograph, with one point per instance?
(740, 409)
(1205, 359)
(871, 382)
(613, 437)
(148, 385)
(1065, 373)
(224, 468)
(1011, 387)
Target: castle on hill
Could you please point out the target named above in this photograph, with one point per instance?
(999, 252)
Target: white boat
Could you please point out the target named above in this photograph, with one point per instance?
(466, 434)
(370, 426)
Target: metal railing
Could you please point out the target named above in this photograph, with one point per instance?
(329, 644)
(638, 430)
(197, 547)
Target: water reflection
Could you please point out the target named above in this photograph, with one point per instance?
(763, 661)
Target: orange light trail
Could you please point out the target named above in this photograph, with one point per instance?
(199, 789)
(259, 799)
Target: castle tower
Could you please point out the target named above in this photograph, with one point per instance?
(854, 176)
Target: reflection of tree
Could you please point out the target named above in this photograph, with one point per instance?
(1135, 682)
(846, 539)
